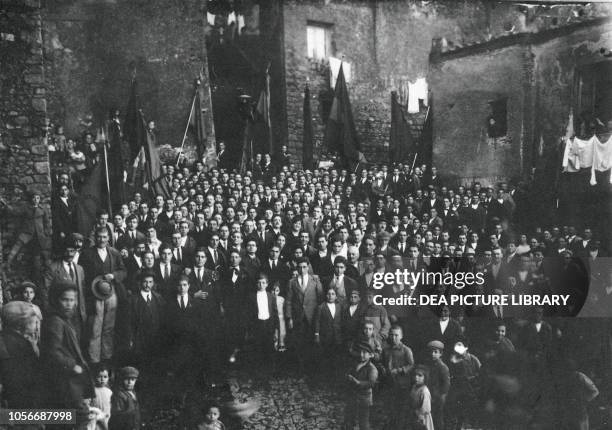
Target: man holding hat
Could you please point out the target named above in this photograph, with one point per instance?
(361, 380)
(102, 320)
(20, 371)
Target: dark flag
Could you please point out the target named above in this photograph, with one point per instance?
(246, 162)
(426, 141)
(307, 147)
(153, 167)
(116, 164)
(340, 132)
(132, 124)
(401, 143)
(263, 116)
(91, 198)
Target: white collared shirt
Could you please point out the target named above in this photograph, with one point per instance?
(352, 309)
(146, 295)
(102, 253)
(444, 325)
(185, 299)
(332, 308)
(263, 313)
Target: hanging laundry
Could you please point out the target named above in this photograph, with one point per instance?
(413, 99)
(602, 157)
(578, 154)
(422, 90)
(231, 18)
(334, 68)
(240, 23)
(210, 18)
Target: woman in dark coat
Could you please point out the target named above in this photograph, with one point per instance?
(69, 377)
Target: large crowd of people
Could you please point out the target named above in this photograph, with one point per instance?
(278, 261)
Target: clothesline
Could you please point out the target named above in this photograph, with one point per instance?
(592, 153)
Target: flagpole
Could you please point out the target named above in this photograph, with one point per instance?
(110, 207)
(186, 128)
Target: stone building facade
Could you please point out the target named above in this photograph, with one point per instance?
(24, 159)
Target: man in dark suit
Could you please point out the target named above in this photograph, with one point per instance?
(145, 311)
(341, 284)
(303, 296)
(223, 159)
(432, 202)
(102, 260)
(166, 272)
(182, 325)
(396, 183)
(65, 269)
(215, 256)
(276, 270)
(235, 286)
(129, 239)
(63, 211)
(353, 313)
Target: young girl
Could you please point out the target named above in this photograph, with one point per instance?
(102, 400)
(27, 293)
(211, 419)
(420, 401)
(281, 332)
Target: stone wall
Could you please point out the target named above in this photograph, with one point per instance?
(387, 43)
(24, 159)
(535, 72)
(92, 48)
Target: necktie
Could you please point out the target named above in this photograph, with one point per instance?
(72, 274)
(274, 264)
(132, 234)
(167, 271)
(200, 274)
(148, 298)
(182, 303)
(215, 257)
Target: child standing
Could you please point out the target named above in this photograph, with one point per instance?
(361, 379)
(125, 409)
(420, 400)
(368, 335)
(398, 362)
(438, 382)
(102, 400)
(281, 331)
(211, 419)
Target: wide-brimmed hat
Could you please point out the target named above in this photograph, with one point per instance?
(101, 288)
(364, 346)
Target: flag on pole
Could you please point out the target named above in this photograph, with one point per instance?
(307, 144)
(263, 113)
(401, 143)
(340, 132)
(90, 198)
(153, 170)
(132, 123)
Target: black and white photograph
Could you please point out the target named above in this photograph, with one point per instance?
(306, 214)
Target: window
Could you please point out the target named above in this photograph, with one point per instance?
(317, 38)
(497, 123)
(592, 97)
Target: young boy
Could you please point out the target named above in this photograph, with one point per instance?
(368, 336)
(125, 410)
(361, 380)
(263, 319)
(327, 324)
(398, 361)
(439, 382)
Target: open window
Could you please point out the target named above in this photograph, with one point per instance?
(592, 98)
(497, 122)
(318, 40)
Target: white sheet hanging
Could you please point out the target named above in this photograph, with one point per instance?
(602, 157)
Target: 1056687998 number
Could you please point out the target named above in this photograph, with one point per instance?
(37, 416)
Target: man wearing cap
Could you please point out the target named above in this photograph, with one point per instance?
(20, 370)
